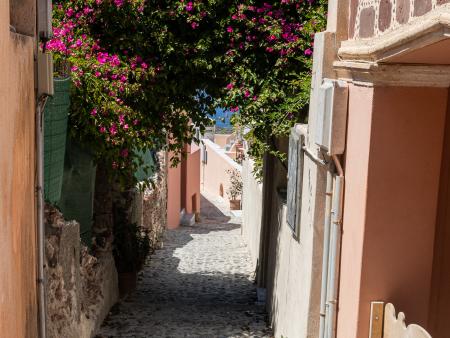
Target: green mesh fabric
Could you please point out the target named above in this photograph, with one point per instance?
(55, 132)
(148, 168)
(77, 198)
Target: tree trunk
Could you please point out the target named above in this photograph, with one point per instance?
(103, 211)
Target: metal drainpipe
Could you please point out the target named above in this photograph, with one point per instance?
(335, 245)
(40, 216)
(326, 249)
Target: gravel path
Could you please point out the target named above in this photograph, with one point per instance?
(199, 285)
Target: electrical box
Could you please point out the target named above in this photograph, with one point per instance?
(332, 116)
(44, 19)
(45, 74)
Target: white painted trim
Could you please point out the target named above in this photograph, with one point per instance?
(419, 33)
(372, 74)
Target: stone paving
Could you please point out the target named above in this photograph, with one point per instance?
(199, 285)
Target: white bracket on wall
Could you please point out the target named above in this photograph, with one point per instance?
(332, 116)
(45, 74)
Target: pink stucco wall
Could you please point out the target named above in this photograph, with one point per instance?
(393, 157)
(214, 172)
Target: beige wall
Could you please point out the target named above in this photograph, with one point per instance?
(252, 203)
(18, 300)
(394, 149)
(214, 173)
(294, 266)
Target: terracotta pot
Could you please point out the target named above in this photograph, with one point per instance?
(127, 283)
(235, 204)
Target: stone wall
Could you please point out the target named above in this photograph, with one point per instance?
(80, 288)
(150, 206)
(370, 18)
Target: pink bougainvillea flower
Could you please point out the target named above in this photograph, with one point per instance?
(121, 119)
(189, 6)
(124, 152)
(94, 112)
(102, 58)
(308, 52)
(230, 29)
(230, 86)
(118, 3)
(194, 25)
(113, 129)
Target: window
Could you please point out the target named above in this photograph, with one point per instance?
(295, 180)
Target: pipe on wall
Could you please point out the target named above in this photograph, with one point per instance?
(331, 253)
(326, 249)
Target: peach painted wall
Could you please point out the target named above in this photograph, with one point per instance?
(394, 148)
(173, 195)
(356, 172)
(18, 262)
(193, 180)
(222, 139)
(191, 164)
(214, 173)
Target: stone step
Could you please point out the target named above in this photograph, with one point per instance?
(188, 220)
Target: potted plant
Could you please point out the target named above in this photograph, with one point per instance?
(131, 248)
(234, 192)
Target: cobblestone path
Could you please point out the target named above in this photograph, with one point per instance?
(199, 285)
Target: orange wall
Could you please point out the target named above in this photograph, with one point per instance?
(18, 299)
(393, 160)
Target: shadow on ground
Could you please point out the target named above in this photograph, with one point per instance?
(199, 285)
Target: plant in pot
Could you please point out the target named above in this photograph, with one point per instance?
(234, 192)
(131, 248)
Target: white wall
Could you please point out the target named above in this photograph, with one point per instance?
(292, 267)
(294, 275)
(251, 210)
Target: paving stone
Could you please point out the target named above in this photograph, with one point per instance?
(199, 285)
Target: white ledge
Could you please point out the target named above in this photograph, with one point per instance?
(419, 33)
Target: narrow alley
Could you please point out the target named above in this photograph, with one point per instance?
(199, 285)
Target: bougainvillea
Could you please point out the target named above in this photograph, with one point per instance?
(146, 70)
(269, 61)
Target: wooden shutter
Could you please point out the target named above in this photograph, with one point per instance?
(295, 180)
